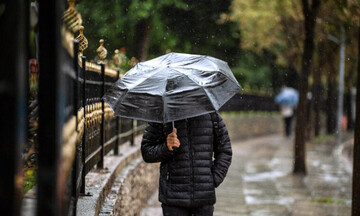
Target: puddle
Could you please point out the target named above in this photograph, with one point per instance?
(331, 178)
(252, 192)
(260, 200)
(264, 176)
(264, 213)
(315, 163)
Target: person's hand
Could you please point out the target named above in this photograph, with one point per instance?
(172, 140)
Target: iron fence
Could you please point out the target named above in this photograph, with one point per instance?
(98, 131)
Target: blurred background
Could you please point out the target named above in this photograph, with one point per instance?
(311, 46)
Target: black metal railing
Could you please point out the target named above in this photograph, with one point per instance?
(99, 132)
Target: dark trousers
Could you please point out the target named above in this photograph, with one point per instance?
(206, 210)
(288, 125)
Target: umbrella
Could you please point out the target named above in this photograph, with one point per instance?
(172, 87)
(287, 96)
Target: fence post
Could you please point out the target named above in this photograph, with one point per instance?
(117, 129)
(76, 85)
(76, 103)
(102, 132)
(83, 65)
(355, 205)
(51, 108)
(13, 96)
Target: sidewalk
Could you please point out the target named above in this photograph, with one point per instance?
(260, 182)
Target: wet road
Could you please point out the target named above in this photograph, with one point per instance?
(260, 182)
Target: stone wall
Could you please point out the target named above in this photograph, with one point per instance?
(138, 186)
(131, 189)
(243, 126)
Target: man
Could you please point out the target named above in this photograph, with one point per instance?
(195, 158)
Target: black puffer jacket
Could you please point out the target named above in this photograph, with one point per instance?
(189, 175)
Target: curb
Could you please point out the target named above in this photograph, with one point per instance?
(340, 154)
(100, 182)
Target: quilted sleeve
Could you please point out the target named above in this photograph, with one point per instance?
(153, 144)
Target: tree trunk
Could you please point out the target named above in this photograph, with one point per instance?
(309, 121)
(348, 110)
(355, 209)
(317, 90)
(317, 103)
(331, 101)
(349, 99)
(292, 79)
(310, 20)
(141, 38)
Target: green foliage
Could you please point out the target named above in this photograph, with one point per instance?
(253, 73)
(198, 31)
(115, 21)
(263, 23)
(29, 180)
(327, 200)
(259, 73)
(179, 26)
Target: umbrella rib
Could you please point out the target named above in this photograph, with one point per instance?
(164, 99)
(167, 57)
(236, 83)
(212, 104)
(211, 60)
(149, 75)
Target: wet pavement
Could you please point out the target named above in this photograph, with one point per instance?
(260, 181)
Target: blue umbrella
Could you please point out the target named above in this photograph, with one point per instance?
(288, 96)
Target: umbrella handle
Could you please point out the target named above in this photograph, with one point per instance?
(173, 126)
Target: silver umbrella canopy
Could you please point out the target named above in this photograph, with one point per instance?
(172, 87)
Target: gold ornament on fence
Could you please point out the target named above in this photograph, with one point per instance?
(101, 52)
(133, 61)
(72, 18)
(83, 42)
(116, 59)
